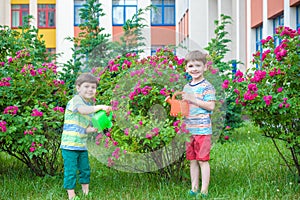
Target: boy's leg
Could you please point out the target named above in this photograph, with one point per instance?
(205, 176)
(85, 188)
(202, 147)
(71, 194)
(194, 171)
(85, 172)
(70, 169)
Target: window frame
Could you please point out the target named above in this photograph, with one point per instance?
(77, 8)
(47, 10)
(51, 50)
(124, 6)
(76, 14)
(155, 47)
(258, 38)
(297, 17)
(277, 21)
(163, 6)
(20, 11)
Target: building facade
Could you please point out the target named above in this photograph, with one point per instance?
(58, 20)
(253, 20)
(195, 24)
(265, 16)
(189, 23)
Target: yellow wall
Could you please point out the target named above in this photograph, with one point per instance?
(49, 35)
(46, 1)
(27, 1)
(19, 1)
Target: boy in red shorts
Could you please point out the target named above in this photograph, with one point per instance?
(201, 97)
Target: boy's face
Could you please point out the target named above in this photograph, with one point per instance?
(87, 90)
(195, 69)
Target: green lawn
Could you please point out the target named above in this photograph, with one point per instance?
(246, 168)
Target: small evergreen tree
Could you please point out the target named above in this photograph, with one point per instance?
(133, 38)
(217, 48)
(92, 47)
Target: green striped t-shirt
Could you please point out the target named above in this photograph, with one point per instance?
(74, 134)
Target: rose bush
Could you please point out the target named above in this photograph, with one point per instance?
(32, 101)
(269, 92)
(144, 137)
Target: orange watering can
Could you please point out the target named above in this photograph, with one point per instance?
(101, 121)
(178, 107)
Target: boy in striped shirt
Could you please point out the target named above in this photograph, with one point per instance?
(201, 97)
(77, 125)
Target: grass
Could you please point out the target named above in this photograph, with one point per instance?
(248, 167)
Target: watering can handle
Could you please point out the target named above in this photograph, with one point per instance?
(175, 94)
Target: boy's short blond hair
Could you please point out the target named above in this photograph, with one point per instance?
(196, 55)
(86, 78)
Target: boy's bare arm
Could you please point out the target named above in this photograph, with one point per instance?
(207, 105)
(91, 109)
(91, 129)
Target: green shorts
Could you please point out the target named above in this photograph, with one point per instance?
(73, 161)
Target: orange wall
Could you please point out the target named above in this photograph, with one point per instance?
(163, 35)
(275, 7)
(76, 31)
(256, 13)
(183, 27)
(186, 22)
(117, 32)
(294, 2)
(160, 35)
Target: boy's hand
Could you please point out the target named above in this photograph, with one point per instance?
(91, 130)
(167, 98)
(189, 97)
(107, 109)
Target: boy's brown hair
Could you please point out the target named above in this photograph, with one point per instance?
(196, 55)
(86, 78)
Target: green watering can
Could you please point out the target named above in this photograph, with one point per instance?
(101, 121)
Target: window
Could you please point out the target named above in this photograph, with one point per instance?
(78, 4)
(163, 13)
(18, 12)
(155, 47)
(278, 21)
(258, 38)
(46, 16)
(297, 17)
(51, 50)
(122, 10)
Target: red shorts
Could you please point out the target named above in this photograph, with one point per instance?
(198, 148)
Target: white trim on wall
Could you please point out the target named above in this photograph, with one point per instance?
(64, 29)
